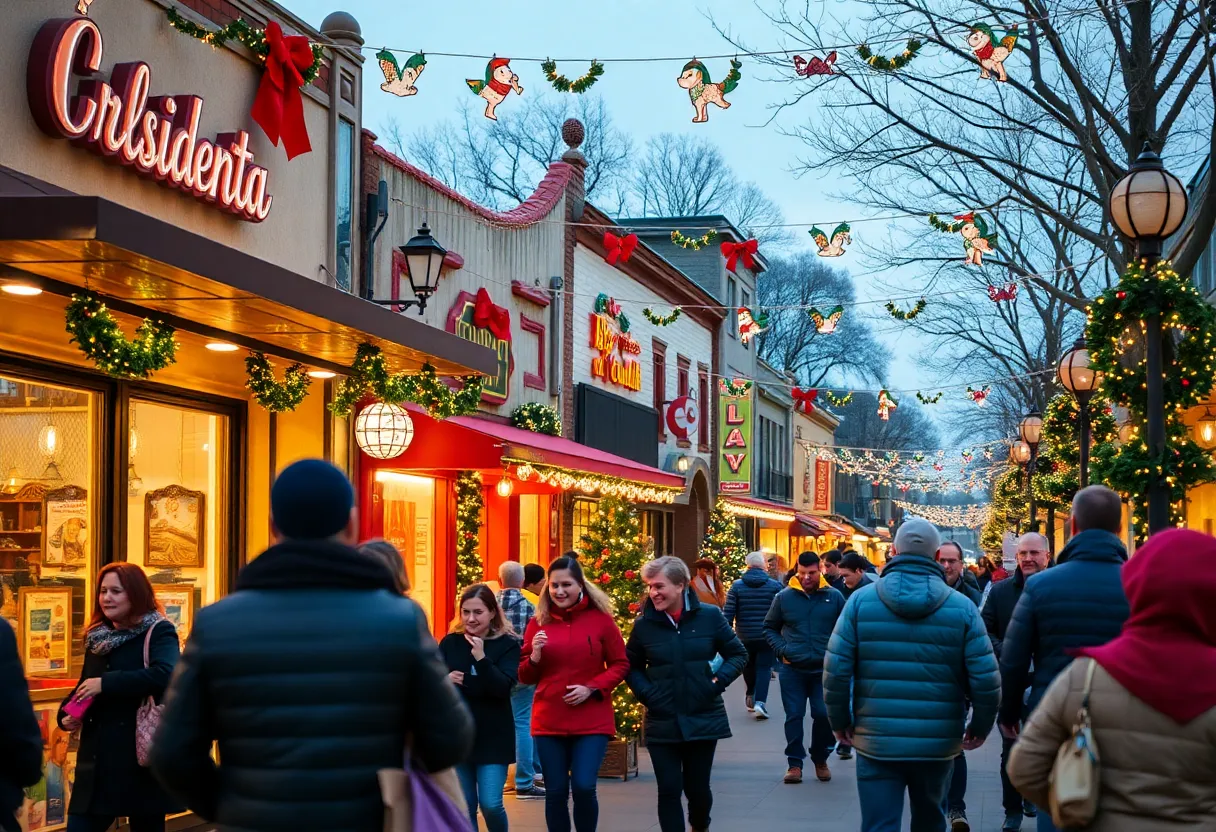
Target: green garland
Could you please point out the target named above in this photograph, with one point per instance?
(882, 64)
(469, 503)
(923, 399)
(99, 337)
(838, 401)
(275, 396)
(579, 85)
(694, 243)
(661, 320)
(239, 30)
(731, 389)
(538, 418)
(946, 227)
(900, 315)
(369, 374)
(1057, 473)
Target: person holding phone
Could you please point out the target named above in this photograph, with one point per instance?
(574, 653)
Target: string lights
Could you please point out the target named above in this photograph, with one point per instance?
(969, 516)
(593, 484)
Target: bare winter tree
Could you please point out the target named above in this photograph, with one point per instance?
(862, 427)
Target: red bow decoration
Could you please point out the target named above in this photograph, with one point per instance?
(279, 106)
(619, 248)
(804, 400)
(488, 316)
(745, 250)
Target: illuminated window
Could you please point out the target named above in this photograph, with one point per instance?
(344, 195)
(583, 512)
(408, 503)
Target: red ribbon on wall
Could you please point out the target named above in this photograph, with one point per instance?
(488, 316)
(279, 106)
(746, 250)
(618, 249)
(804, 400)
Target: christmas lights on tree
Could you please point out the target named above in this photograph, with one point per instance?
(469, 502)
(1009, 509)
(724, 544)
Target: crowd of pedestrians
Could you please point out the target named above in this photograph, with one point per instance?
(317, 674)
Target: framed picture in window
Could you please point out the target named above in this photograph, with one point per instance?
(174, 520)
(66, 535)
(45, 631)
(178, 601)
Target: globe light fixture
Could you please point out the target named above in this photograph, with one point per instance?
(504, 487)
(1205, 430)
(1080, 379)
(1149, 203)
(383, 431)
(1031, 429)
(1019, 452)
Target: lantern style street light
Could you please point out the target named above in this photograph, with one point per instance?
(1148, 205)
(1080, 379)
(1031, 431)
(1205, 430)
(424, 260)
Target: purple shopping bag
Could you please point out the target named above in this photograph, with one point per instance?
(415, 801)
(434, 810)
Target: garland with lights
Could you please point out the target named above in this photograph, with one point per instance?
(1057, 473)
(661, 320)
(838, 401)
(563, 84)
(694, 243)
(538, 418)
(967, 516)
(883, 64)
(603, 485)
(94, 329)
(923, 399)
(469, 503)
(1009, 509)
(900, 315)
(369, 374)
(239, 30)
(724, 544)
(275, 396)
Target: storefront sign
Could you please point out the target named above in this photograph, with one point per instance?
(611, 339)
(464, 321)
(735, 417)
(157, 136)
(683, 416)
(823, 486)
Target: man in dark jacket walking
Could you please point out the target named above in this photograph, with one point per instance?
(831, 569)
(855, 573)
(747, 603)
(311, 677)
(1077, 603)
(798, 627)
(20, 738)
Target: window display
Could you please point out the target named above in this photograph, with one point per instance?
(409, 504)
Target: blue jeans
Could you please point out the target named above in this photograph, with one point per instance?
(527, 760)
(482, 786)
(571, 764)
(955, 796)
(1044, 820)
(798, 687)
(757, 671)
(881, 785)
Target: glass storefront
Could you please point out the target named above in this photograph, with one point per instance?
(408, 505)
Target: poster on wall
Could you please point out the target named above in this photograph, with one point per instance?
(45, 631)
(65, 512)
(478, 319)
(735, 417)
(178, 601)
(173, 527)
(823, 486)
(45, 804)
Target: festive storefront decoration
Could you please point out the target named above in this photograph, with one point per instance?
(804, 400)
(702, 91)
(694, 243)
(661, 320)
(616, 351)
(999, 293)
(596, 485)
(900, 315)
(980, 395)
(735, 387)
(488, 315)
(399, 81)
(826, 324)
(834, 246)
(476, 318)
(751, 323)
(988, 52)
(745, 251)
(839, 401)
(618, 249)
(100, 338)
(241, 31)
(885, 405)
(469, 503)
(976, 240)
(815, 66)
(496, 86)
(579, 85)
(384, 431)
(275, 396)
(735, 436)
(883, 64)
(934, 399)
(538, 418)
(724, 544)
(369, 375)
(279, 106)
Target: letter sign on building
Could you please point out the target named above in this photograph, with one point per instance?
(615, 348)
(735, 455)
(683, 416)
(462, 322)
(823, 486)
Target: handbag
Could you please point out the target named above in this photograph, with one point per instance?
(147, 718)
(1075, 780)
(415, 801)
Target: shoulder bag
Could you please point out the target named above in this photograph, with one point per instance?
(1076, 775)
(147, 718)
(415, 801)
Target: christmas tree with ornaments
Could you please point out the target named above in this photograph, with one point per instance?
(724, 544)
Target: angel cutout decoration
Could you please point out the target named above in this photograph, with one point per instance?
(1000, 293)
(988, 454)
(498, 83)
(400, 80)
(885, 405)
(702, 91)
(751, 323)
(815, 66)
(833, 247)
(980, 396)
(976, 240)
(988, 52)
(826, 324)
(968, 455)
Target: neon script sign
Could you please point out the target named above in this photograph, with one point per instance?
(611, 339)
(155, 135)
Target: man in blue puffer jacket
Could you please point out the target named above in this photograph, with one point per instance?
(747, 602)
(906, 656)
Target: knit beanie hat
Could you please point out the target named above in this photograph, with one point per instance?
(311, 500)
(917, 537)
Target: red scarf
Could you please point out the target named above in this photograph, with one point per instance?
(1166, 654)
(985, 51)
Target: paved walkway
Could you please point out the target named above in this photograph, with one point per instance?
(750, 797)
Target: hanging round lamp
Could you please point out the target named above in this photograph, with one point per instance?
(384, 431)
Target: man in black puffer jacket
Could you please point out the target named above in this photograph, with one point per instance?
(311, 677)
(747, 603)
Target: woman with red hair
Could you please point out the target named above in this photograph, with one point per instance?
(130, 652)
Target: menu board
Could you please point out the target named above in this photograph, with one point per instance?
(45, 631)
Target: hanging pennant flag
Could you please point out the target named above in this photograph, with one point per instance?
(745, 251)
(496, 86)
(885, 405)
(980, 396)
(751, 323)
(618, 249)
(804, 400)
(815, 66)
(826, 325)
(702, 91)
(397, 80)
(988, 52)
(834, 247)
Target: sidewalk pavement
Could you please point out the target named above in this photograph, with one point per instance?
(748, 790)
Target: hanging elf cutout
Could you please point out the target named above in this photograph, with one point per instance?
(900, 315)
(400, 81)
(885, 405)
(579, 85)
(839, 401)
(980, 396)
(988, 52)
(804, 400)
(815, 66)
(923, 399)
(751, 323)
(968, 455)
(661, 320)
(618, 249)
(834, 247)
(988, 454)
(694, 243)
(734, 252)
(826, 325)
(1000, 293)
(496, 86)
(702, 91)
(882, 64)
(976, 240)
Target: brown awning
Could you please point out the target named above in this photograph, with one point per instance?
(139, 263)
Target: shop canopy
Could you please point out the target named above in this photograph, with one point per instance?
(759, 509)
(65, 242)
(807, 525)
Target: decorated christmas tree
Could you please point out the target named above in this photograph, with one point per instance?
(1058, 467)
(469, 501)
(724, 544)
(1009, 509)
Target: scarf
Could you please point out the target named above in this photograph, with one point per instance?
(1169, 585)
(985, 51)
(105, 637)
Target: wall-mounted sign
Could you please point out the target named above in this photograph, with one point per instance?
(120, 121)
(476, 318)
(823, 486)
(683, 416)
(610, 338)
(735, 417)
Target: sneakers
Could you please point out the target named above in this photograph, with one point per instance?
(793, 775)
(844, 752)
(1029, 809)
(761, 711)
(958, 821)
(1012, 823)
(750, 701)
(823, 772)
(532, 792)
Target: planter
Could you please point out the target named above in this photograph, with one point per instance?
(621, 761)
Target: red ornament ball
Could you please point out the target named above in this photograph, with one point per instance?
(469, 535)
(604, 551)
(630, 574)
(1121, 294)
(605, 578)
(634, 607)
(1186, 382)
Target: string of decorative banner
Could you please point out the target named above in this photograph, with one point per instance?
(968, 516)
(918, 470)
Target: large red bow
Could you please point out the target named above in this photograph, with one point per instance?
(279, 106)
(745, 250)
(804, 400)
(488, 316)
(618, 249)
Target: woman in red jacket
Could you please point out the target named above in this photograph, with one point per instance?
(574, 654)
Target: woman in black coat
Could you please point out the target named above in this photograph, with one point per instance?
(669, 652)
(110, 782)
(483, 656)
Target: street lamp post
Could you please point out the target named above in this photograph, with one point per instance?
(1031, 431)
(1148, 205)
(1082, 381)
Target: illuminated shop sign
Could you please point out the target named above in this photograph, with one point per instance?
(610, 337)
(120, 121)
(823, 485)
(476, 318)
(735, 417)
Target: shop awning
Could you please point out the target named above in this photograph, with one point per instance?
(806, 525)
(759, 509)
(859, 529)
(138, 263)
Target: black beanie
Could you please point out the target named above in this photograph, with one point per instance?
(311, 500)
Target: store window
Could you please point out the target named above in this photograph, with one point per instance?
(705, 404)
(344, 209)
(660, 384)
(582, 512)
(732, 311)
(682, 368)
(529, 528)
(776, 540)
(408, 503)
(658, 527)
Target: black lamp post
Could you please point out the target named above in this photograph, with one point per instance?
(424, 260)
(1031, 431)
(1148, 205)
(1082, 381)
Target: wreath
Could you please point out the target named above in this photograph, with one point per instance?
(239, 30)
(369, 374)
(579, 85)
(839, 401)
(694, 243)
(731, 388)
(900, 315)
(538, 418)
(661, 320)
(100, 338)
(883, 64)
(275, 396)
